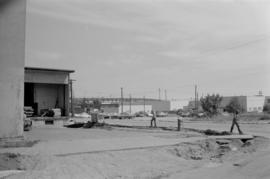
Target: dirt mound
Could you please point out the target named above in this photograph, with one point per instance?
(215, 149)
(195, 151)
(12, 161)
(17, 143)
(213, 132)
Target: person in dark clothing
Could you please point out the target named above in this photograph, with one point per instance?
(153, 120)
(234, 122)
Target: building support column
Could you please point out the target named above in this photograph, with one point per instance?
(67, 100)
(12, 54)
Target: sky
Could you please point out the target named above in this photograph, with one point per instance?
(222, 46)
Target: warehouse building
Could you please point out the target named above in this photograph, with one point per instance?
(46, 88)
(248, 103)
(116, 105)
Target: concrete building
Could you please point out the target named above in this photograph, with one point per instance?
(150, 104)
(255, 103)
(46, 89)
(241, 99)
(110, 107)
(177, 104)
(116, 108)
(247, 103)
(133, 108)
(191, 106)
(12, 53)
(267, 100)
(113, 105)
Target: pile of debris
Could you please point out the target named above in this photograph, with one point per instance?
(213, 132)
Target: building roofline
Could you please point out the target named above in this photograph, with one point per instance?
(125, 99)
(48, 69)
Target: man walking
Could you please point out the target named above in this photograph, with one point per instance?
(153, 120)
(234, 122)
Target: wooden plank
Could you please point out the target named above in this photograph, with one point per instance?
(246, 136)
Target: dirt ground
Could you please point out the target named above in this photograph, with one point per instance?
(138, 153)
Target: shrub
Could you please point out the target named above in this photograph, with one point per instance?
(234, 106)
(266, 108)
(265, 117)
(210, 104)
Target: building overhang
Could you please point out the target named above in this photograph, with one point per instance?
(46, 75)
(48, 69)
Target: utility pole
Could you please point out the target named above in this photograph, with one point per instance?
(130, 100)
(122, 101)
(197, 100)
(144, 104)
(159, 93)
(166, 95)
(71, 97)
(195, 97)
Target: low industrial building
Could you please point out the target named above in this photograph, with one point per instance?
(247, 103)
(191, 106)
(114, 105)
(134, 108)
(267, 100)
(140, 104)
(46, 88)
(227, 99)
(177, 104)
(110, 107)
(255, 103)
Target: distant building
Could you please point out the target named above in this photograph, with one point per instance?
(110, 107)
(113, 105)
(267, 100)
(255, 103)
(133, 108)
(177, 104)
(46, 88)
(148, 104)
(227, 99)
(247, 103)
(191, 106)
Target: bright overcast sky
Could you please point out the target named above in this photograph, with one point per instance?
(143, 45)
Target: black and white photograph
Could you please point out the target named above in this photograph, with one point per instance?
(134, 89)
